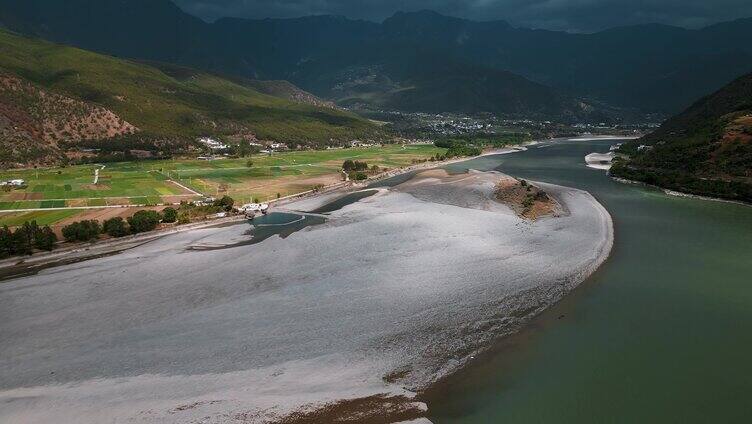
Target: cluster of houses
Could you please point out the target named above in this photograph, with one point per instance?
(216, 145)
(274, 147)
(13, 183)
(358, 143)
(212, 143)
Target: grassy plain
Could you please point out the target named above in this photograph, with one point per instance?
(286, 173)
(148, 182)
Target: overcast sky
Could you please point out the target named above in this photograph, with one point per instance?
(571, 15)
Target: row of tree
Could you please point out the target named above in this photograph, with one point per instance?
(350, 165)
(30, 236)
(25, 239)
(139, 222)
(458, 147)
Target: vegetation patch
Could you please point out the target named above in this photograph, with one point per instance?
(61, 98)
(705, 150)
(526, 200)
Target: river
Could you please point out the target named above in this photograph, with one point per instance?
(231, 321)
(660, 333)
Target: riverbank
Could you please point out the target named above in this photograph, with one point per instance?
(77, 252)
(284, 338)
(676, 193)
(14, 267)
(390, 294)
(604, 161)
(625, 345)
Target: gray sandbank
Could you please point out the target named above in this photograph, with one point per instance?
(391, 293)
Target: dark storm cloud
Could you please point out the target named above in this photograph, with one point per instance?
(572, 15)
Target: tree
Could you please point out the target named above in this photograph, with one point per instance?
(358, 176)
(226, 203)
(21, 241)
(115, 227)
(82, 230)
(26, 237)
(6, 242)
(184, 218)
(169, 215)
(143, 221)
(249, 163)
(30, 230)
(444, 144)
(45, 238)
(348, 165)
(245, 149)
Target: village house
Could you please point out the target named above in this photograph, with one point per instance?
(13, 183)
(212, 143)
(278, 146)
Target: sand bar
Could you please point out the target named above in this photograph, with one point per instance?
(390, 294)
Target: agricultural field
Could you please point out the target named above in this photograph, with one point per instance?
(286, 173)
(151, 182)
(13, 219)
(67, 191)
(118, 184)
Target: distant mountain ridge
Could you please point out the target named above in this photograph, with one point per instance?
(651, 67)
(706, 150)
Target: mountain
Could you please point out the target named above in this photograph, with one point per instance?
(404, 77)
(275, 88)
(654, 68)
(145, 29)
(355, 63)
(706, 150)
(35, 123)
(54, 97)
(657, 68)
(285, 90)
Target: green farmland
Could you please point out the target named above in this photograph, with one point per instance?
(41, 217)
(74, 186)
(286, 173)
(148, 182)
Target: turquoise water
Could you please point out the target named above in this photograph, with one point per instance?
(661, 333)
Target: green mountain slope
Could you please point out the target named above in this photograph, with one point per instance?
(706, 150)
(407, 77)
(655, 68)
(325, 55)
(165, 107)
(35, 122)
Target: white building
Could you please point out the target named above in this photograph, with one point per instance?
(278, 146)
(212, 143)
(14, 183)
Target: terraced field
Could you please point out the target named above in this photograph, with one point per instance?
(149, 182)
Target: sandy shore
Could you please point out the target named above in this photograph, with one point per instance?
(600, 160)
(390, 294)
